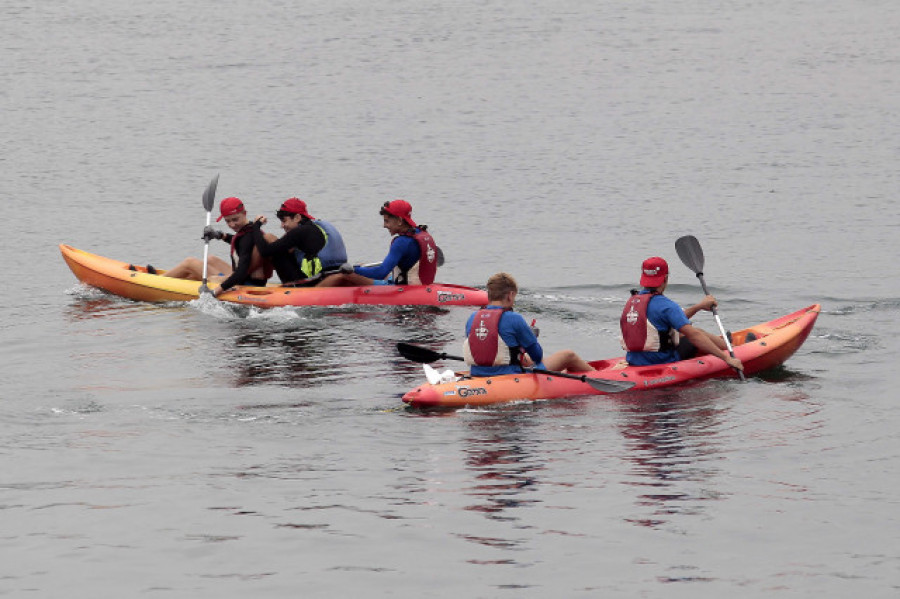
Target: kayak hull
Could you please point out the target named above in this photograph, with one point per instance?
(776, 341)
(115, 277)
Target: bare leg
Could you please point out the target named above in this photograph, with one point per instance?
(345, 280)
(566, 359)
(192, 269)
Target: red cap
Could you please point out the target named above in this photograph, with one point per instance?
(295, 206)
(400, 209)
(230, 206)
(653, 272)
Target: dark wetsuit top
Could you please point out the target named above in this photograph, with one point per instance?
(243, 247)
(306, 237)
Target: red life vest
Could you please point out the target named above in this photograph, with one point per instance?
(428, 256)
(638, 334)
(484, 347)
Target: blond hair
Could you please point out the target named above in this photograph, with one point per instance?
(499, 285)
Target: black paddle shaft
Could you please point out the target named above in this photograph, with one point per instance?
(426, 356)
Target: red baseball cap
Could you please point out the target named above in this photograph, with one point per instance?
(230, 206)
(400, 209)
(295, 206)
(653, 272)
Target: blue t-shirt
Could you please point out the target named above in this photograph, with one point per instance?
(663, 314)
(404, 253)
(514, 331)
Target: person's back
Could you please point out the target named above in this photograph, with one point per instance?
(495, 336)
(650, 322)
(656, 330)
(500, 341)
(334, 254)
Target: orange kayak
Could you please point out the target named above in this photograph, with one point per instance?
(759, 347)
(115, 277)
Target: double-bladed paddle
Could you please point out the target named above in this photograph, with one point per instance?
(209, 200)
(426, 356)
(691, 254)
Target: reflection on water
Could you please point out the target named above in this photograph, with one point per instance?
(671, 441)
(243, 345)
(504, 459)
(325, 346)
(89, 303)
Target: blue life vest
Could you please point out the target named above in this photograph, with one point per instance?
(333, 254)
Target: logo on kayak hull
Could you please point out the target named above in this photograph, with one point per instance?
(470, 391)
(447, 296)
(659, 381)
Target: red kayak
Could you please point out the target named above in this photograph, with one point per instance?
(759, 347)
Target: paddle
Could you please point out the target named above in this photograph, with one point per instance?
(426, 356)
(440, 260)
(691, 254)
(209, 200)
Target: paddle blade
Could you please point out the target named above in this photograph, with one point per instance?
(609, 386)
(418, 354)
(423, 354)
(209, 196)
(690, 252)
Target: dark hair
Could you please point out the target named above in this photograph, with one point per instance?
(283, 214)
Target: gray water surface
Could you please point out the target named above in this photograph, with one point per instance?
(196, 451)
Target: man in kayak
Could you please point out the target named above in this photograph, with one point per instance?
(247, 266)
(412, 259)
(499, 341)
(309, 250)
(656, 330)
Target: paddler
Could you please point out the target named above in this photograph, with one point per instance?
(309, 250)
(500, 341)
(656, 330)
(411, 260)
(247, 266)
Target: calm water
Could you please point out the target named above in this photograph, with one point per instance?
(203, 451)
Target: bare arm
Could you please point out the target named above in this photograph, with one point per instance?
(706, 303)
